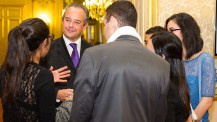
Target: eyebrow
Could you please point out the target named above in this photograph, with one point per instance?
(73, 20)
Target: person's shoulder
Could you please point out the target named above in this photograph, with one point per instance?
(206, 56)
(56, 43)
(58, 40)
(44, 72)
(45, 76)
(85, 43)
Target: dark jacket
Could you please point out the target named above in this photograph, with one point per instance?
(58, 57)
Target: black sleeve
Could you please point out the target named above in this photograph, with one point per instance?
(45, 93)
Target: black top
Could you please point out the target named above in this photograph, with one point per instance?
(175, 106)
(36, 98)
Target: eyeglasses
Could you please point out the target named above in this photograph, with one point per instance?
(172, 29)
(51, 37)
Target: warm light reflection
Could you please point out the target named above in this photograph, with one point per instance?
(45, 17)
(97, 8)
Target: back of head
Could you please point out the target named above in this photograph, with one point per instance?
(155, 29)
(168, 45)
(33, 31)
(124, 12)
(23, 41)
(190, 31)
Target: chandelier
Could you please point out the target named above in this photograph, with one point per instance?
(97, 8)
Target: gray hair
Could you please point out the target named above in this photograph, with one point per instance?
(77, 5)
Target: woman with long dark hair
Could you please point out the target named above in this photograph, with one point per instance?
(199, 65)
(27, 90)
(169, 47)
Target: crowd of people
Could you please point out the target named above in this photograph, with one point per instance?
(169, 79)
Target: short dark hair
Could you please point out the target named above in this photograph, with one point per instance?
(124, 11)
(77, 5)
(192, 40)
(155, 29)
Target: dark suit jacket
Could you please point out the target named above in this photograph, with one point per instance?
(58, 57)
(121, 81)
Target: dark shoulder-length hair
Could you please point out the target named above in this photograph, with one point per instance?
(169, 46)
(190, 31)
(23, 41)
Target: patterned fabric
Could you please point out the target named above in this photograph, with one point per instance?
(26, 108)
(208, 76)
(63, 111)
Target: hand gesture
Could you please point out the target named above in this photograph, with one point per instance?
(60, 73)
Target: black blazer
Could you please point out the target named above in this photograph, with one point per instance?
(58, 57)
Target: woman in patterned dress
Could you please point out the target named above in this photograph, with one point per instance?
(199, 65)
(27, 89)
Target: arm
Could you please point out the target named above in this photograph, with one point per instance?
(207, 86)
(202, 108)
(45, 96)
(59, 75)
(83, 101)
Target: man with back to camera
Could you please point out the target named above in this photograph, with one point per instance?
(68, 49)
(127, 83)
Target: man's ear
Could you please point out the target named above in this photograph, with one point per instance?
(85, 26)
(114, 22)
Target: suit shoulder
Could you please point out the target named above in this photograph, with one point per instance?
(85, 43)
(56, 41)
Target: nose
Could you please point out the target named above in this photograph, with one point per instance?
(71, 24)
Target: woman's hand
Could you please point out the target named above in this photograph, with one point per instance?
(60, 74)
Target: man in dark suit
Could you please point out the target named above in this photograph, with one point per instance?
(74, 22)
(121, 81)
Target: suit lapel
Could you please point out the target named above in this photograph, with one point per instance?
(64, 52)
(82, 49)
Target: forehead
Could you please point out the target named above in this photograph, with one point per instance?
(75, 13)
(148, 36)
(172, 23)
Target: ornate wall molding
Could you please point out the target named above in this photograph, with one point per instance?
(44, 3)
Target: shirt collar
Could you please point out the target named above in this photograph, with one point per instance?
(125, 30)
(67, 41)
